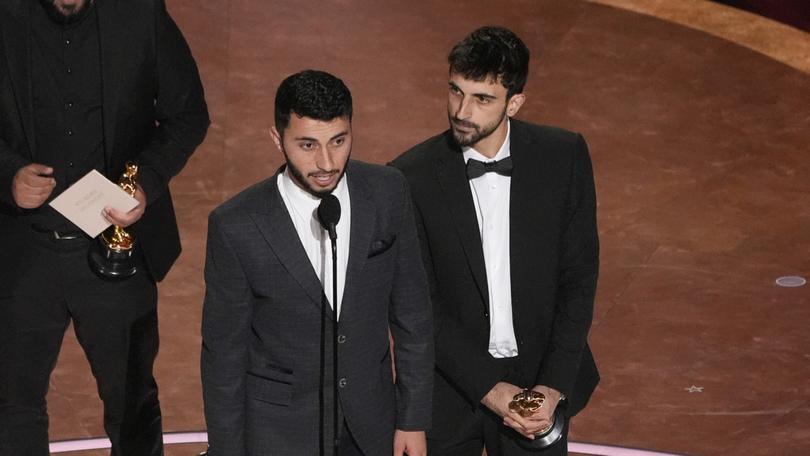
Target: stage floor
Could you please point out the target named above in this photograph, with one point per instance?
(699, 146)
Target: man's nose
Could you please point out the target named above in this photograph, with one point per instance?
(463, 111)
(324, 160)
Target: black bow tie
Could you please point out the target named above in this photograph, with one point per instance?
(477, 168)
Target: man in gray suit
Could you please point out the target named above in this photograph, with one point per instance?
(265, 349)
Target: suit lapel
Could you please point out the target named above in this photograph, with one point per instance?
(450, 171)
(364, 220)
(113, 51)
(18, 60)
(275, 224)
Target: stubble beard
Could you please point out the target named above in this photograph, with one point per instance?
(299, 178)
(65, 15)
(479, 133)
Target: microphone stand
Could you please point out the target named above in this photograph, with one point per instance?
(329, 215)
(336, 439)
(321, 390)
(333, 240)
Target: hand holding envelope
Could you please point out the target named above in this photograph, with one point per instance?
(84, 202)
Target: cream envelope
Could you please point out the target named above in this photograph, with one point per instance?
(83, 202)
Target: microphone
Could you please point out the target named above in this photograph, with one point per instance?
(329, 214)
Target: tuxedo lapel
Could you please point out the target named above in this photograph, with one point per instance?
(276, 226)
(364, 219)
(450, 171)
(17, 45)
(112, 42)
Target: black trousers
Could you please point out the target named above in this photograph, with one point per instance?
(461, 430)
(116, 325)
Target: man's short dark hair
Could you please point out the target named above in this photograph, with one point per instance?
(314, 94)
(492, 52)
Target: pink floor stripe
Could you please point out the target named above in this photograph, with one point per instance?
(609, 450)
(173, 438)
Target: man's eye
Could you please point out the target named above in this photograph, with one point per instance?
(483, 100)
(454, 89)
(339, 141)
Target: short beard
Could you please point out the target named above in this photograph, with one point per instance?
(478, 133)
(62, 17)
(302, 182)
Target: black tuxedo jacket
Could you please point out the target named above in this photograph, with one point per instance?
(153, 112)
(261, 324)
(554, 254)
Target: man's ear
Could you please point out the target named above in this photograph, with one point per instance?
(514, 104)
(276, 138)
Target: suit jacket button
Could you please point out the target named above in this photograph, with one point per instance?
(341, 339)
(342, 382)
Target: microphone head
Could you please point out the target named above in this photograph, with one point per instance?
(329, 212)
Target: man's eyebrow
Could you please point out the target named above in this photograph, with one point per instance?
(479, 95)
(342, 133)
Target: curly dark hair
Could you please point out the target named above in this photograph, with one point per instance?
(314, 94)
(492, 52)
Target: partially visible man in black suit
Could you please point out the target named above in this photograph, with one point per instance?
(506, 214)
(267, 355)
(87, 85)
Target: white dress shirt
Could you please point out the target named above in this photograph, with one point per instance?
(303, 208)
(491, 197)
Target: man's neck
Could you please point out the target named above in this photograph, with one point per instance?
(490, 145)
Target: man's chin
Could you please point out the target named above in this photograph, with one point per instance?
(320, 191)
(65, 15)
(464, 140)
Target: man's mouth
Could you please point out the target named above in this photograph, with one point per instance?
(323, 179)
(463, 126)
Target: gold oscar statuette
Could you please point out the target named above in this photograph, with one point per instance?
(111, 257)
(528, 402)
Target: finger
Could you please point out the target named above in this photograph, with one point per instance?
(517, 427)
(512, 424)
(36, 192)
(517, 418)
(33, 196)
(115, 217)
(38, 169)
(32, 201)
(28, 204)
(35, 181)
(537, 422)
(539, 427)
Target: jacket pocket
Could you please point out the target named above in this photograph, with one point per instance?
(381, 246)
(268, 390)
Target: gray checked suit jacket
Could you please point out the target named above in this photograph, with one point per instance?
(261, 324)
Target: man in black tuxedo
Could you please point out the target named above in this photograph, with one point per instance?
(87, 85)
(266, 349)
(506, 215)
